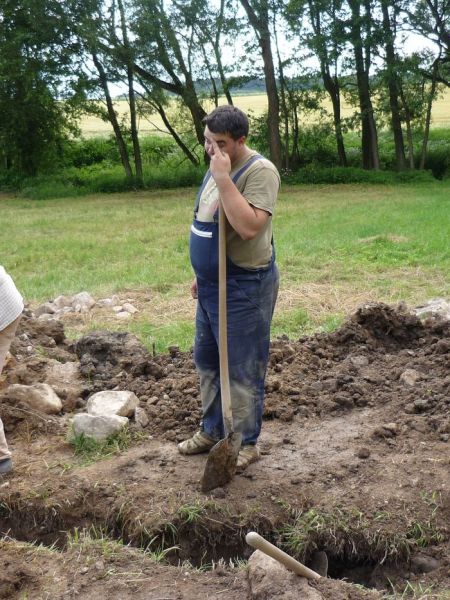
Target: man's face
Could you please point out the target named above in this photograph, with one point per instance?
(225, 143)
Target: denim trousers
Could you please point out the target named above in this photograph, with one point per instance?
(251, 298)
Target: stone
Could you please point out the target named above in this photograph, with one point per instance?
(409, 377)
(82, 302)
(436, 306)
(45, 309)
(99, 427)
(111, 402)
(140, 416)
(64, 377)
(105, 302)
(421, 405)
(40, 397)
(359, 361)
(129, 308)
(363, 452)
(270, 580)
(47, 317)
(63, 302)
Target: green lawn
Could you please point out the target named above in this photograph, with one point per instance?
(337, 246)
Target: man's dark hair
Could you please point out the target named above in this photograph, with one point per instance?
(227, 119)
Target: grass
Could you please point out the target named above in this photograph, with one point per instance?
(418, 591)
(338, 246)
(348, 533)
(90, 450)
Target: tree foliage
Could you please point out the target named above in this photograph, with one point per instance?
(177, 58)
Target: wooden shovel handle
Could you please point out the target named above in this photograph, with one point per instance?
(254, 540)
(223, 337)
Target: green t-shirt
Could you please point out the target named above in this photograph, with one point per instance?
(259, 185)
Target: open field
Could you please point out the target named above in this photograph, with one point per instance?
(93, 126)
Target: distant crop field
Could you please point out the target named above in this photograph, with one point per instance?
(93, 126)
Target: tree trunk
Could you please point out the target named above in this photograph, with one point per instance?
(331, 84)
(332, 87)
(134, 129)
(131, 99)
(369, 142)
(391, 62)
(113, 117)
(284, 104)
(260, 24)
(426, 132)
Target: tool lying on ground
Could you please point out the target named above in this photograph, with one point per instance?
(254, 540)
(222, 458)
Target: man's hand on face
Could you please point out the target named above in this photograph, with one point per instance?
(220, 164)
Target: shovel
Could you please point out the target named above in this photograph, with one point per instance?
(222, 458)
(257, 541)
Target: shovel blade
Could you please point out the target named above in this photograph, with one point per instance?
(221, 464)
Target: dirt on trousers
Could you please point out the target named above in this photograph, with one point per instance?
(355, 468)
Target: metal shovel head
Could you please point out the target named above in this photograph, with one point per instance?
(221, 464)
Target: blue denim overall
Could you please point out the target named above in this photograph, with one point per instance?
(251, 297)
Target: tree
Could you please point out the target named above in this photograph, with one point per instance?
(259, 18)
(36, 53)
(360, 37)
(326, 41)
(391, 75)
(431, 18)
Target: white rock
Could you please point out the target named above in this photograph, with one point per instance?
(436, 306)
(63, 302)
(409, 377)
(129, 308)
(46, 308)
(64, 377)
(82, 302)
(40, 397)
(140, 416)
(359, 361)
(97, 426)
(47, 317)
(270, 580)
(105, 302)
(111, 402)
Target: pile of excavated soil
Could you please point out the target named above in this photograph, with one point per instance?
(355, 464)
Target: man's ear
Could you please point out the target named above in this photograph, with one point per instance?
(242, 140)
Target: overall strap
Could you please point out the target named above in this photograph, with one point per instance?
(234, 179)
(206, 178)
(245, 167)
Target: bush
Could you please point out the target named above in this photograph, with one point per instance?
(98, 179)
(438, 158)
(86, 152)
(312, 175)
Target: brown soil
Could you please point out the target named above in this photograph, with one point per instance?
(355, 463)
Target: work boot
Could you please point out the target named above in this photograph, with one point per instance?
(5, 465)
(198, 443)
(247, 454)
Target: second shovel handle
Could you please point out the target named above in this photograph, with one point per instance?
(254, 540)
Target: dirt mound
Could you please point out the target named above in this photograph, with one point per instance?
(355, 463)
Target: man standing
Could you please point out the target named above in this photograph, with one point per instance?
(11, 307)
(247, 185)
